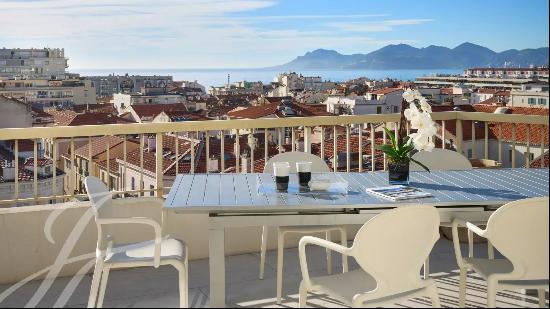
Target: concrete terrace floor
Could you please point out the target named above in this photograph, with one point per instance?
(148, 287)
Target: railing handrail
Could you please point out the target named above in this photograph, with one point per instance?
(217, 125)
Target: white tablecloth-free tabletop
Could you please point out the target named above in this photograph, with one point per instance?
(234, 200)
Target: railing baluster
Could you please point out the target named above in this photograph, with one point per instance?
(513, 145)
(334, 149)
(108, 162)
(474, 150)
(443, 146)
(237, 151)
(486, 145)
(54, 159)
(322, 142)
(528, 161)
(16, 172)
(293, 138)
(142, 147)
(72, 177)
(177, 145)
(384, 139)
(159, 165)
(360, 146)
(307, 139)
(348, 161)
(207, 152)
(252, 153)
(35, 170)
(222, 151)
(372, 143)
(125, 157)
(193, 135)
(90, 154)
(459, 136)
(500, 142)
(266, 146)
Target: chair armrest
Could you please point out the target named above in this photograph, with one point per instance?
(456, 240)
(474, 228)
(144, 221)
(309, 240)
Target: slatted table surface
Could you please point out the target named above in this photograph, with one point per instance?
(207, 193)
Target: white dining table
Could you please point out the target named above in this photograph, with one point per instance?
(238, 200)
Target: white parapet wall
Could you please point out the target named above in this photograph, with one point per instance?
(26, 250)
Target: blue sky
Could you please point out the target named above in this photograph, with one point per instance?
(257, 33)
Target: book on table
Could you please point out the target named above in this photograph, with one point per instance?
(398, 193)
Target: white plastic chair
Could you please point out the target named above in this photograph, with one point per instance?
(442, 160)
(390, 249)
(109, 255)
(519, 231)
(317, 166)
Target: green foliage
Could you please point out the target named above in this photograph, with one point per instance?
(399, 152)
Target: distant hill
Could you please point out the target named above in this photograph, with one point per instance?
(403, 56)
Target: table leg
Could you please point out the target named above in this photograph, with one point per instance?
(217, 266)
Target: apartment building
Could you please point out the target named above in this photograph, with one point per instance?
(530, 95)
(44, 93)
(33, 63)
(238, 88)
(107, 86)
(291, 83)
(151, 95)
(507, 72)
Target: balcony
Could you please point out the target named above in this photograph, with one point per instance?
(143, 159)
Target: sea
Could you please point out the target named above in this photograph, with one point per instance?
(219, 77)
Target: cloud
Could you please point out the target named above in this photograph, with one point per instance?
(378, 26)
(182, 33)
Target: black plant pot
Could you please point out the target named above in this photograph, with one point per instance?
(398, 173)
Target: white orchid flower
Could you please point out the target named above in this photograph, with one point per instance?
(421, 121)
(411, 112)
(409, 95)
(426, 107)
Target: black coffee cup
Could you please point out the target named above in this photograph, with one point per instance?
(281, 171)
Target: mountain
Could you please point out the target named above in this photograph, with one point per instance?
(403, 56)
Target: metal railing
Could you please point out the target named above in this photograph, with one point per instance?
(209, 140)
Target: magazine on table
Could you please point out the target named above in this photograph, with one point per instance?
(398, 193)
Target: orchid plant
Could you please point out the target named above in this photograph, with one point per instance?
(403, 146)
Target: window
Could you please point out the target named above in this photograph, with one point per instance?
(152, 193)
(469, 153)
(532, 101)
(510, 155)
(396, 109)
(542, 102)
(133, 184)
(379, 109)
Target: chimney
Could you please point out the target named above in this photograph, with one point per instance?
(151, 143)
(8, 172)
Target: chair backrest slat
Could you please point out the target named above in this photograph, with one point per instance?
(100, 197)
